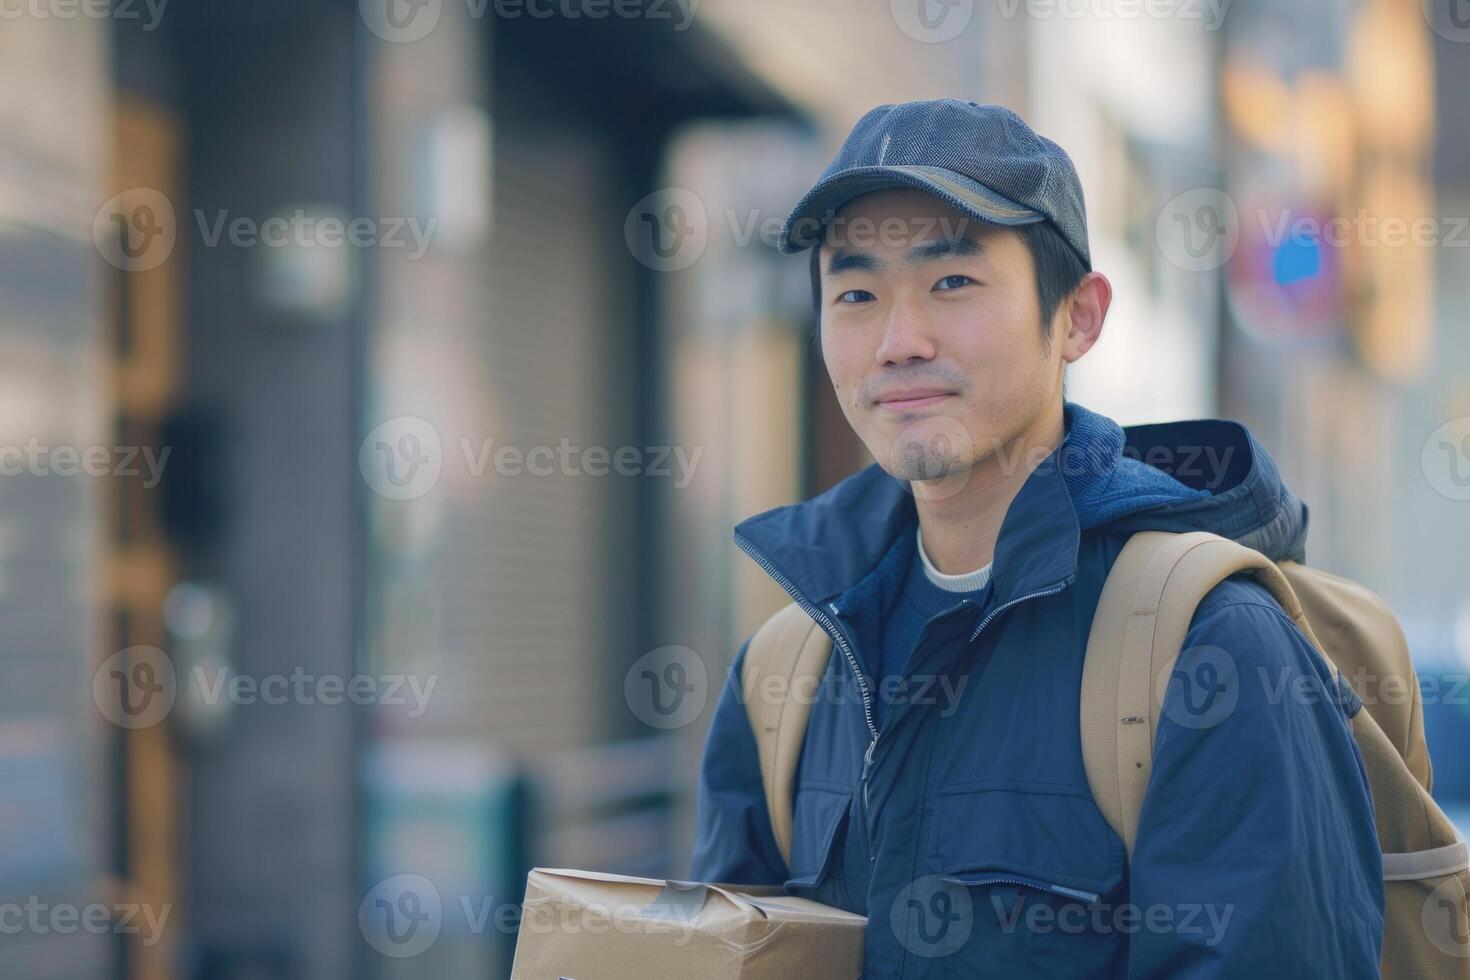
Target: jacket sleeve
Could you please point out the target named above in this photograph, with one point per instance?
(1257, 853)
(733, 840)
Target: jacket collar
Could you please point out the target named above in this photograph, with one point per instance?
(1208, 475)
(823, 548)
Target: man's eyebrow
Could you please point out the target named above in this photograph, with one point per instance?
(845, 260)
(942, 248)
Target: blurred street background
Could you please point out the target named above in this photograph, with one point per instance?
(380, 381)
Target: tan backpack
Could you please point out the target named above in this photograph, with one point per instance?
(1139, 627)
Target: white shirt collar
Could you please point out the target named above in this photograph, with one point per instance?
(965, 582)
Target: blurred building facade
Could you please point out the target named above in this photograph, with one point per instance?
(56, 838)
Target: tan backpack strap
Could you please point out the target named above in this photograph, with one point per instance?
(1143, 615)
(779, 678)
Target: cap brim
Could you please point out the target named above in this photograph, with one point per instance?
(804, 227)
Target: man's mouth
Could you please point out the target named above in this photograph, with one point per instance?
(908, 399)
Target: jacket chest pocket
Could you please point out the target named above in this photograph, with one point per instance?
(821, 810)
(1029, 877)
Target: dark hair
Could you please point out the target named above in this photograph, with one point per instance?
(1058, 271)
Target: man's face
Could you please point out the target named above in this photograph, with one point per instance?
(931, 331)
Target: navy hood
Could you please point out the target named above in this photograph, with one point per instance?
(1201, 475)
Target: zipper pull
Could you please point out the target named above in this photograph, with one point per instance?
(867, 764)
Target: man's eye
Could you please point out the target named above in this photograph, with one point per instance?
(953, 282)
(855, 296)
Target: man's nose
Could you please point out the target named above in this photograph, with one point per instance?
(907, 336)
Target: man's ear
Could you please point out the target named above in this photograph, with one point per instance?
(1084, 311)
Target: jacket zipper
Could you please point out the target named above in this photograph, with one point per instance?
(1002, 608)
(832, 630)
(840, 639)
(1045, 886)
(868, 758)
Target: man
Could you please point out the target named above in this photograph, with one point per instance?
(941, 789)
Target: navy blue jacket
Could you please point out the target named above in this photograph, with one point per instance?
(965, 830)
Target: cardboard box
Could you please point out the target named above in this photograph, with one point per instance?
(585, 925)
